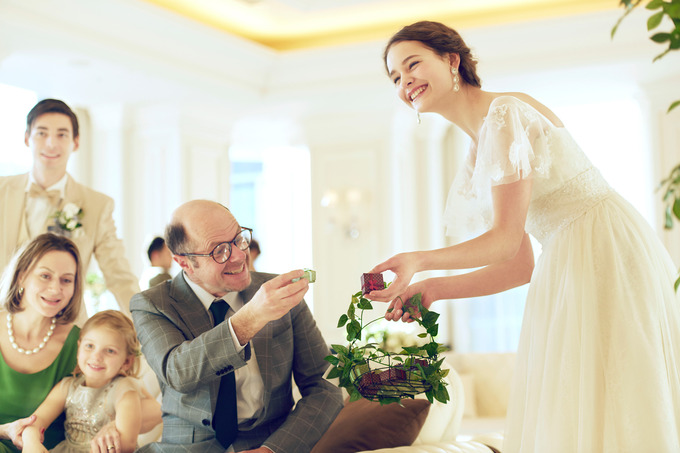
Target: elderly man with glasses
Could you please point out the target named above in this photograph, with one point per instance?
(226, 344)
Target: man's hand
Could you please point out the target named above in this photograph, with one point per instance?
(107, 440)
(273, 300)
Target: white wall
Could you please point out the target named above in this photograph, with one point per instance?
(164, 96)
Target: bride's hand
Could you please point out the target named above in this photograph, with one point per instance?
(398, 312)
(403, 266)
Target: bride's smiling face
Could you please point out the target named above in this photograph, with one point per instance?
(420, 76)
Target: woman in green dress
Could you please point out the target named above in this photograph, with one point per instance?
(41, 291)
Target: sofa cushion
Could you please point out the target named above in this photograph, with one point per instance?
(366, 425)
(468, 380)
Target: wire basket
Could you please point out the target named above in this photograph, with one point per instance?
(394, 375)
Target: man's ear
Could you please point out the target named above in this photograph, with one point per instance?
(76, 143)
(183, 262)
(26, 135)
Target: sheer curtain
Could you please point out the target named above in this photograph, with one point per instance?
(16, 103)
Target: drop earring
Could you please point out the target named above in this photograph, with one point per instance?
(456, 79)
(21, 292)
(417, 116)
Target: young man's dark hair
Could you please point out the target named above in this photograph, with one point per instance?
(51, 106)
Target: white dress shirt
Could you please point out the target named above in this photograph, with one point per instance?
(249, 384)
(38, 209)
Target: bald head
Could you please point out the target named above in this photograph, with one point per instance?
(187, 221)
(196, 229)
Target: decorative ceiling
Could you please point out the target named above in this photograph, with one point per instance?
(285, 25)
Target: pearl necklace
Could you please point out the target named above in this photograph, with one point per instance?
(10, 332)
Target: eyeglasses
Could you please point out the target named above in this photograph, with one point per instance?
(222, 251)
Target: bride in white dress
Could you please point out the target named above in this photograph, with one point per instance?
(599, 351)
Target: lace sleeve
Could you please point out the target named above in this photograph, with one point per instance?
(513, 144)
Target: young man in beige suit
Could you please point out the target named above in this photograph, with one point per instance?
(30, 201)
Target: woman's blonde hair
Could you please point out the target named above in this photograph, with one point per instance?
(117, 321)
(23, 262)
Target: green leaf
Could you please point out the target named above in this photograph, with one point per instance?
(654, 4)
(431, 349)
(354, 395)
(430, 318)
(340, 349)
(441, 394)
(365, 304)
(332, 360)
(388, 400)
(333, 373)
(676, 208)
(672, 9)
(661, 37)
(351, 311)
(673, 105)
(422, 335)
(654, 20)
(343, 320)
(411, 349)
(669, 219)
(677, 283)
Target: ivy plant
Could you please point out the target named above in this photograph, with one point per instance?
(368, 371)
(670, 186)
(662, 9)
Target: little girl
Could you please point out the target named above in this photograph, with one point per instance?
(102, 389)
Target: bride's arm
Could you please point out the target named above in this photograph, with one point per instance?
(482, 282)
(498, 245)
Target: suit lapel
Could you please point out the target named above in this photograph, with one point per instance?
(73, 193)
(190, 310)
(192, 313)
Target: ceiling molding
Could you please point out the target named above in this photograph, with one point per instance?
(281, 27)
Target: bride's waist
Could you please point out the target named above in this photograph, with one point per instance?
(552, 212)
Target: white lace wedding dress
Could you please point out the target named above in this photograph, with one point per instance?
(597, 364)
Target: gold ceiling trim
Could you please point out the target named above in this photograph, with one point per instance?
(285, 29)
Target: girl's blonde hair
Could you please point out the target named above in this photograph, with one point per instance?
(115, 320)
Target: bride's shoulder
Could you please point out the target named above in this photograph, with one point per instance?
(523, 98)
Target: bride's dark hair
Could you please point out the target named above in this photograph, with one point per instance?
(443, 40)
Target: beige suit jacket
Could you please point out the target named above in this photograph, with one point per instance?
(96, 236)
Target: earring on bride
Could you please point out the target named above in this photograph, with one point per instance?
(456, 79)
(418, 116)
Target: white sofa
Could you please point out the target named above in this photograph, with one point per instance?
(472, 422)
(486, 381)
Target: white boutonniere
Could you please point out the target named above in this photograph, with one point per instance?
(68, 219)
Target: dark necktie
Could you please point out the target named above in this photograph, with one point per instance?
(225, 421)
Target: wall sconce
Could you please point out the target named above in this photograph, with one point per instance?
(343, 210)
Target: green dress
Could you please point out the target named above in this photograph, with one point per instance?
(21, 394)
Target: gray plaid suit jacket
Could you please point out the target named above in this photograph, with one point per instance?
(189, 357)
